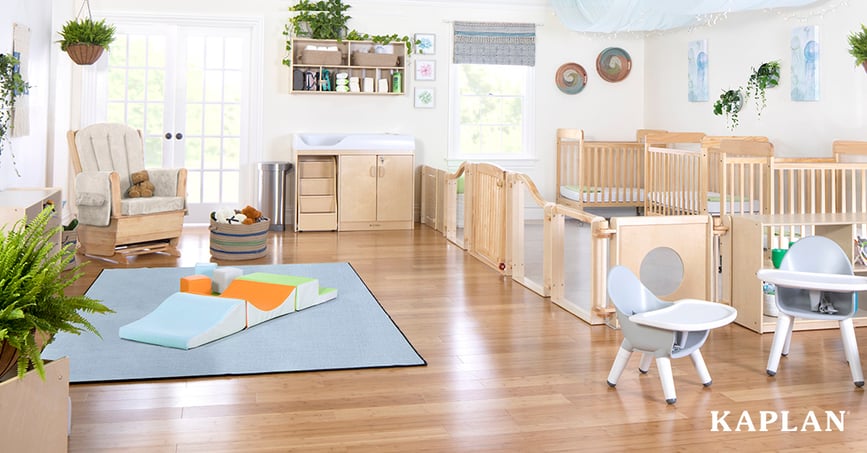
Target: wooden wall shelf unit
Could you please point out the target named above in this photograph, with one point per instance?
(354, 190)
(16, 204)
(355, 58)
(746, 249)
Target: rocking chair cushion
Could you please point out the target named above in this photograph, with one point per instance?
(152, 205)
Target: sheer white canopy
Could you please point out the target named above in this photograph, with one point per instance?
(611, 16)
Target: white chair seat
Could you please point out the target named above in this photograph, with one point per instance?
(814, 272)
(661, 330)
(150, 205)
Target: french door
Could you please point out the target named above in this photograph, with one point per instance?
(187, 87)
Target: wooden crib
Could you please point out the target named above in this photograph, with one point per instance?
(819, 186)
(600, 173)
(725, 174)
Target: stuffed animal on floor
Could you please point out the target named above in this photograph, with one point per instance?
(252, 215)
(141, 185)
(229, 216)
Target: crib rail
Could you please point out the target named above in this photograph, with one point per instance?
(676, 181)
(602, 173)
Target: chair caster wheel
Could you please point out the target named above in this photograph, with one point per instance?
(671, 401)
(708, 383)
(771, 373)
(859, 384)
(610, 384)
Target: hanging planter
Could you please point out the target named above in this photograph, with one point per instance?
(858, 46)
(84, 54)
(730, 102)
(84, 39)
(765, 76)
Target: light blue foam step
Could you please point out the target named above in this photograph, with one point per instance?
(185, 321)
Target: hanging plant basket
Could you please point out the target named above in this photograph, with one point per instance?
(84, 54)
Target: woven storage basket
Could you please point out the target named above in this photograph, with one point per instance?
(84, 54)
(239, 242)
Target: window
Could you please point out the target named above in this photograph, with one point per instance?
(491, 112)
(492, 91)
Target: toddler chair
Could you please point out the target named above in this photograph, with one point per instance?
(815, 281)
(661, 330)
(111, 224)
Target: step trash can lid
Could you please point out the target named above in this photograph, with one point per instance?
(278, 166)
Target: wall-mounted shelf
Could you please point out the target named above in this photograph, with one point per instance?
(316, 64)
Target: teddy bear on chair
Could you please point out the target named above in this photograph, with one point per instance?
(141, 185)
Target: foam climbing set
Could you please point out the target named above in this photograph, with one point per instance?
(216, 302)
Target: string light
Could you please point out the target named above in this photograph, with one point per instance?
(712, 19)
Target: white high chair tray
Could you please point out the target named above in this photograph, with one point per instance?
(687, 315)
(813, 280)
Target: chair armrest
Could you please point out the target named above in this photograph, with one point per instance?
(168, 182)
(95, 193)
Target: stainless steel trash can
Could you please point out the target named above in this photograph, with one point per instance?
(272, 192)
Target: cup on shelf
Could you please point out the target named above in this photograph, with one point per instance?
(777, 257)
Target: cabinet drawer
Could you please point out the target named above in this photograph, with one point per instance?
(316, 186)
(316, 169)
(317, 222)
(316, 204)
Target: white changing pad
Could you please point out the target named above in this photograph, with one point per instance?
(602, 194)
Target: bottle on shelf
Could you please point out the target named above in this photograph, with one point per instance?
(396, 82)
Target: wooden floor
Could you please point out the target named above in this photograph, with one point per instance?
(507, 371)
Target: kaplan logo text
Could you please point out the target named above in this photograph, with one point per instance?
(763, 421)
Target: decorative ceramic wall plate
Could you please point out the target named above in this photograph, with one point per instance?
(613, 64)
(571, 78)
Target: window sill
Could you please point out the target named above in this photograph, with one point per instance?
(506, 162)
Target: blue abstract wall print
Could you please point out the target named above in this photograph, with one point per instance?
(805, 63)
(697, 64)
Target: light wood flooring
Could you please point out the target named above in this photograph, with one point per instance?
(507, 371)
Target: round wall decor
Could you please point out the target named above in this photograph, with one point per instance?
(571, 78)
(613, 64)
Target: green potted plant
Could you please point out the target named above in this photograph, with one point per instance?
(858, 46)
(12, 86)
(33, 303)
(327, 19)
(729, 104)
(324, 19)
(767, 75)
(85, 39)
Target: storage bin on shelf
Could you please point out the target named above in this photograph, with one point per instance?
(321, 57)
(238, 241)
(374, 59)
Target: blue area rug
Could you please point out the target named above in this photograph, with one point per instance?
(351, 331)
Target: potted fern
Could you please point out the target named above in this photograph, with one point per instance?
(858, 46)
(33, 303)
(728, 105)
(85, 39)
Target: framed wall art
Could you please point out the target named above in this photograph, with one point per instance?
(425, 70)
(424, 98)
(426, 43)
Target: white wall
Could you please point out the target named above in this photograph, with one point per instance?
(596, 109)
(746, 40)
(31, 150)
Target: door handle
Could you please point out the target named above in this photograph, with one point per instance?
(179, 136)
(168, 135)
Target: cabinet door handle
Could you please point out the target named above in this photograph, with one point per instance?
(372, 172)
(381, 171)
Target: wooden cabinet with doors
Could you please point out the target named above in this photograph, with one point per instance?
(375, 192)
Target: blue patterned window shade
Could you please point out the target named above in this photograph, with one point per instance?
(495, 43)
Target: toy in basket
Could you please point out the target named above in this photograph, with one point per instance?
(239, 234)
